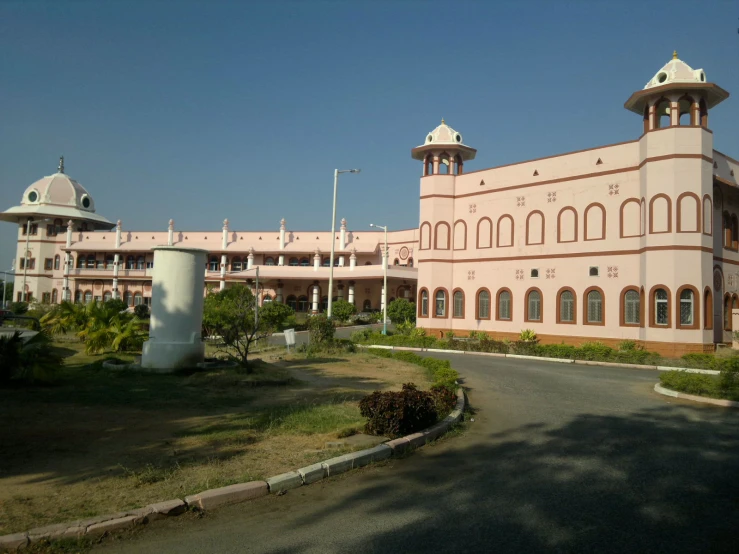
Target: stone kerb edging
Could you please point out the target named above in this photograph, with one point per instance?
(659, 389)
(542, 359)
(241, 492)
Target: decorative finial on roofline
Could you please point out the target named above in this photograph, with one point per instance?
(60, 169)
(442, 121)
(674, 54)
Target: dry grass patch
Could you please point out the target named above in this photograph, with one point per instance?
(100, 442)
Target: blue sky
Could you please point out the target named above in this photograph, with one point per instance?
(201, 111)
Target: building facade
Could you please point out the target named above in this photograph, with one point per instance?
(637, 240)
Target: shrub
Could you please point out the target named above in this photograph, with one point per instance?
(405, 328)
(342, 311)
(18, 308)
(401, 311)
(690, 383)
(628, 346)
(418, 332)
(525, 347)
(321, 329)
(486, 344)
(395, 414)
(445, 398)
(141, 311)
(700, 361)
(594, 351)
(360, 336)
(528, 335)
(119, 305)
(556, 351)
(34, 359)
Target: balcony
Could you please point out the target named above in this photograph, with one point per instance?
(102, 273)
(322, 273)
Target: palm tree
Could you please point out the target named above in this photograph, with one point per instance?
(64, 318)
(107, 327)
(29, 359)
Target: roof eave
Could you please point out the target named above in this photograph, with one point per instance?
(715, 94)
(468, 153)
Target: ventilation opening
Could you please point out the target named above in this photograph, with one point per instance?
(593, 271)
(534, 273)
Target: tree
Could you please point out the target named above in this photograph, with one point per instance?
(342, 310)
(273, 316)
(229, 314)
(321, 330)
(27, 359)
(142, 311)
(401, 311)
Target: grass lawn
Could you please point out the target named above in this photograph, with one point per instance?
(98, 442)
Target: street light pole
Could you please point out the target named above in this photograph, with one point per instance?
(329, 308)
(256, 300)
(25, 259)
(384, 280)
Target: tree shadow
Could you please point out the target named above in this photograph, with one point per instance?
(659, 480)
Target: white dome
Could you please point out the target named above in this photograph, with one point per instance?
(59, 190)
(443, 134)
(676, 71)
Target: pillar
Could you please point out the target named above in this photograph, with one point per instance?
(224, 261)
(116, 267)
(278, 296)
(170, 233)
(282, 235)
(281, 260)
(250, 259)
(351, 292)
(382, 298)
(118, 228)
(353, 259)
(224, 235)
(340, 295)
(674, 113)
(341, 261)
(176, 310)
(342, 242)
(65, 287)
(315, 299)
(316, 260)
(69, 233)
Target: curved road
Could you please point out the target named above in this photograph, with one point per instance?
(560, 458)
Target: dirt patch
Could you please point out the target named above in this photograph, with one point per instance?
(100, 442)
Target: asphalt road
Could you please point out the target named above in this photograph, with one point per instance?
(560, 458)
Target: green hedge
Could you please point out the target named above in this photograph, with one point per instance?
(627, 353)
(724, 386)
(439, 371)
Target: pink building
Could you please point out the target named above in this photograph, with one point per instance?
(73, 253)
(636, 240)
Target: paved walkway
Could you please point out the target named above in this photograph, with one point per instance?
(560, 458)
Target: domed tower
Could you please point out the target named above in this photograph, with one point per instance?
(678, 236)
(443, 152)
(46, 210)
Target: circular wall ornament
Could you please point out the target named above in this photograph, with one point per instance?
(32, 196)
(403, 253)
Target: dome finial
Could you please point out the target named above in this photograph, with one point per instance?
(442, 121)
(60, 169)
(674, 54)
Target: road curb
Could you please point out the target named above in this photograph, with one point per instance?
(232, 494)
(543, 359)
(659, 389)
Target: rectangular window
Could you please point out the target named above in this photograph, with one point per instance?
(48, 263)
(46, 298)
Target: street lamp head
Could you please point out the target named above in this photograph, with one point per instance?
(354, 170)
(372, 224)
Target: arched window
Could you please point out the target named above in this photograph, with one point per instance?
(130, 262)
(440, 303)
(660, 308)
(595, 222)
(483, 304)
(367, 305)
(324, 303)
(367, 263)
(444, 168)
(91, 263)
(326, 262)
(686, 115)
(533, 311)
(428, 165)
(81, 262)
(128, 298)
(107, 295)
(140, 262)
(236, 263)
(566, 306)
(54, 296)
(708, 309)
(631, 308)
(423, 303)
(304, 262)
(686, 308)
(396, 261)
(458, 297)
(267, 299)
(567, 225)
(594, 307)
(137, 299)
(535, 228)
(662, 114)
(294, 262)
(460, 235)
(504, 311)
(88, 296)
(109, 261)
(425, 232)
(77, 297)
(57, 261)
(302, 304)
(269, 260)
(484, 233)
(292, 302)
(442, 236)
(213, 263)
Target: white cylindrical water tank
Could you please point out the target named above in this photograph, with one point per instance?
(176, 309)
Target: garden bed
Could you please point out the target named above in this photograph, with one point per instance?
(100, 441)
(723, 387)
